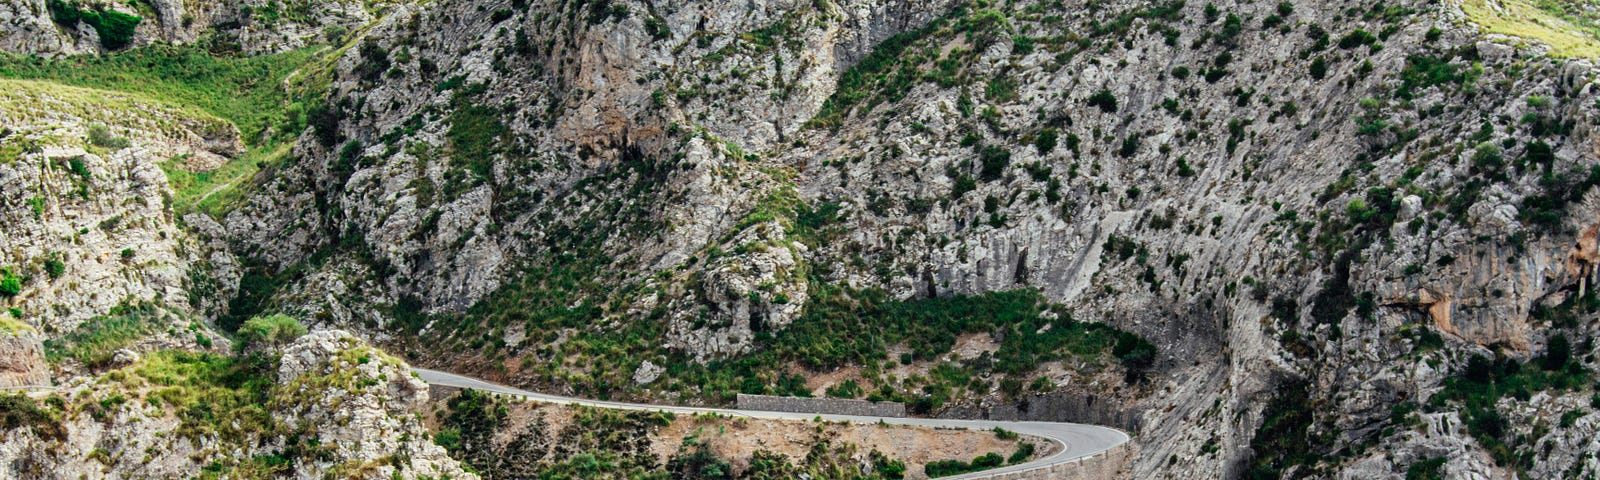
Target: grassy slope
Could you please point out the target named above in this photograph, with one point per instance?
(260, 95)
(1568, 36)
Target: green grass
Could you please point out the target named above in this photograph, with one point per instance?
(42, 101)
(216, 191)
(12, 327)
(212, 394)
(248, 91)
(95, 341)
(266, 97)
(1542, 20)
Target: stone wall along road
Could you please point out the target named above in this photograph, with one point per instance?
(835, 406)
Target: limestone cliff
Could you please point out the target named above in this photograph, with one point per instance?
(327, 405)
(1358, 237)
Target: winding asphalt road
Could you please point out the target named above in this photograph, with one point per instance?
(1077, 441)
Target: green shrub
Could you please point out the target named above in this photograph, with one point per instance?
(1548, 208)
(1130, 146)
(94, 342)
(1425, 71)
(846, 389)
(18, 411)
(1285, 438)
(945, 468)
(1104, 100)
(1557, 353)
(101, 136)
(114, 28)
(1357, 38)
(476, 135)
(964, 183)
(273, 331)
(63, 13)
(1023, 453)
(10, 283)
(1429, 469)
(1045, 141)
(994, 160)
(55, 268)
(1483, 382)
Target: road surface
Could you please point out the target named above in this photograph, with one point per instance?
(1077, 441)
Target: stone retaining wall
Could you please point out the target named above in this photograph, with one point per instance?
(440, 392)
(832, 406)
(1057, 406)
(1107, 465)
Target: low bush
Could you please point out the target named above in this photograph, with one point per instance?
(1104, 100)
(945, 468)
(272, 331)
(95, 341)
(101, 136)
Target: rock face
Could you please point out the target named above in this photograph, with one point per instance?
(1271, 194)
(376, 397)
(22, 361)
(1320, 212)
(353, 406)
(251, 26)
(89, 226)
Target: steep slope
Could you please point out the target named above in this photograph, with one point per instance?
(86, 206)
(1315, 238)
(68, 27)
(1288, 200)
(326, 405)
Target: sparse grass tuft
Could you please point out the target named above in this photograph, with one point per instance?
(1521, 18)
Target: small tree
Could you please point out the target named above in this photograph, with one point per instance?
(10, 283)
(273, 331)
(1557, 353)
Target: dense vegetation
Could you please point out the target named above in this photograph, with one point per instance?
(945, 468)
(273, 331)
(840, 327)
(248, 91)
(18, 411)
(114, 28)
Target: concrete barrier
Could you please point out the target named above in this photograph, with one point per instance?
(832, 406)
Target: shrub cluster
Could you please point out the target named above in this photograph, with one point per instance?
(114, 28)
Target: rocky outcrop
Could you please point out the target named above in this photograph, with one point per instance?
(22, 361)
(1282, 192)
(374, 399)
(1349, 200)
(87, 208)
(334, 407)
(251, 26)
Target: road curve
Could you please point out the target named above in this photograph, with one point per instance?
(1077, 441)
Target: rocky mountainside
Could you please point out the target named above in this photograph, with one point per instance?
(1298, 239)
(68, 27)
(332, 406)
